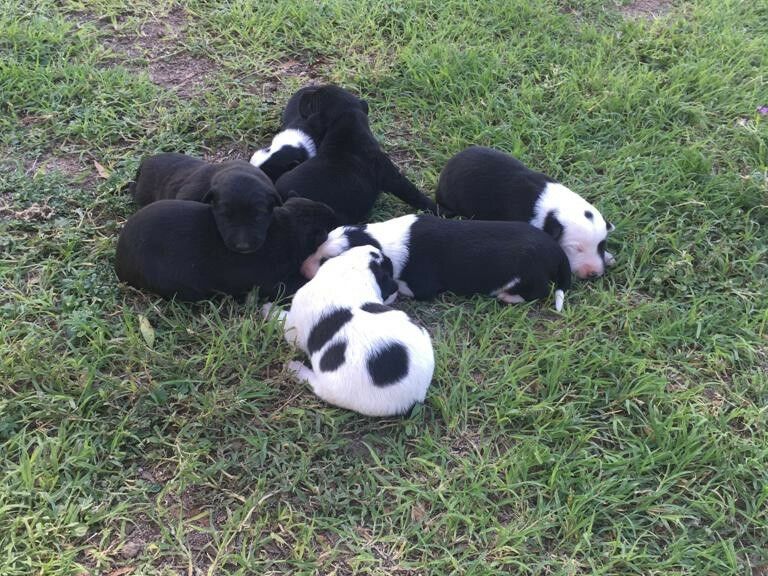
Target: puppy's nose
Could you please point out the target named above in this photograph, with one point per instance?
(243, 246)
(593, 274)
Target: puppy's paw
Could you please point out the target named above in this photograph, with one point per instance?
(299, 371)
(610, 259)
(266, 309)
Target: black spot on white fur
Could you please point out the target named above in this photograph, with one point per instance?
(389, 364)
(552, 226)
(589, 214)
(357, 236)
(333, 357)
(383, 272)
(375, 308)
(326, 328)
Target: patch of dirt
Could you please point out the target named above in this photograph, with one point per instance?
(648, 9)
(158, 43)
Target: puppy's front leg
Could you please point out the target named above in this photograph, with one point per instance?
(610, 259)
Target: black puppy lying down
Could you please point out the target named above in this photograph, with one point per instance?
(173, 248)
(513, 261)
(350, 168)
(241, 195)
(300, 137)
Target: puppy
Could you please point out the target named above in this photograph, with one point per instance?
(365, 356)
(512, 261)
(300, 137)
(241, 196)
(173, 248)
(350, 168)
(487, 184)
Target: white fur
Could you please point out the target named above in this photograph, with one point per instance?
(580, 234)
(290, 137)
(394, 236)
(347, 282)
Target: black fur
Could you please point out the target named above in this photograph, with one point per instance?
(478, 257)
(375, 308)
(283, 160)
(552, 225)
(316, 99)
(357, 236)
(173, 248)
(388, 364)
(241, 196)
(333, 357)
(326, 328)
(487, 184)
(350, 169)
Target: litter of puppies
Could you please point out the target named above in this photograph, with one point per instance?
(293, 222)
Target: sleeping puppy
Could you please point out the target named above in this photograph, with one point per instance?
(365, 356)
(487, 184)
(173, 248)
(241, 196)
(512, 261)
(300, 137)
(350, 168)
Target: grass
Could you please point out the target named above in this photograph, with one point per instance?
(625, 436)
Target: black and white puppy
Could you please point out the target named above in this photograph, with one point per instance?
(350, 169)
(173, 248)
(365, 356)
(300, 137)
(488, 184)
(513, 261)
(241, 196)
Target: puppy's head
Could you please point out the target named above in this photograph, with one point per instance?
(330, 100)
(581, 231)
(275, 163)
(242, 200)
(369, 261)
(312, 222)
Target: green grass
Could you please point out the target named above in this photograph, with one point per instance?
(626, 436)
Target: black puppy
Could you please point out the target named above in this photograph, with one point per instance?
(300, 137)
(512, 261)
(350, 169)
(241, 195)
(173, 248)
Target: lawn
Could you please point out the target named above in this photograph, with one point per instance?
(627, 435)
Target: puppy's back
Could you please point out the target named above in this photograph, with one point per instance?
(161, 176)
(487, 184)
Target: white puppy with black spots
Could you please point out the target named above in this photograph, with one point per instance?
(487, 184)
(365, 356)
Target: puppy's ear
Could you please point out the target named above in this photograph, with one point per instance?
(364, 106)
(309, 103)
(382, 272)
(552, 225)
(609, 226)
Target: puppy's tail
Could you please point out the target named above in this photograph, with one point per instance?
(563, 282)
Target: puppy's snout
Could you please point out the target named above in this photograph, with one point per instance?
(309, 268)
(589, 273)
(243, 247)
